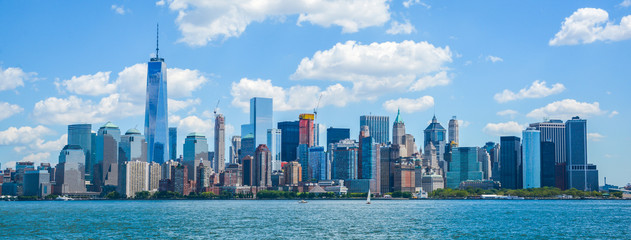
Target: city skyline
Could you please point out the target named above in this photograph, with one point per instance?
(487, 88)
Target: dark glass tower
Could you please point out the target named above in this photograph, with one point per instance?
(156, 110)
(172, 143)
(510, 163)
(334, 135)
(289, 140)
(81, 135)
(547, 164)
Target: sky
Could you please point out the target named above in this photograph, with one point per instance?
(497, 66)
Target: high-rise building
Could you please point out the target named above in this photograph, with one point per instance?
(303, 159)
(453, 130)
(261, 119)
(378, 126)
(274, 143)
(247, 146)
(166, 169)
(219, 160)
(37, 183)
(430, 160)
(290, 139)
(70, 176)
(156, 110)
(371, 162)
(494, 154)
(398, 130)
(404, 177)
(554, 131)
(195, 152)
(318, 165)
(485, 160)
(344, 162)
(133, 178)
(293, 173)
(306, 129)
(547, 164)
(248, 167)
(580, 174)
(235, 149)
(106, 164)
(181, 183)
(81, 135)
(155, 174)
(510, 162)
(410, 145)
(436, 134)
(334, 135)
(172, 143)
(464, 166)
(132, 147)
(363, 133)
(531, 164)
(262, 167)
(204, 174)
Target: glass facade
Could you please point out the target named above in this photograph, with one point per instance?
(70, 172)
(532, 158)
(435, 133)
(172, 143)
(289, 140)
(261, 110)
(510, 163)
(464, 166)
(547, 164)
(195, 152)
(274, 144)
(156, 112)
(106, 164)
(378, 126)
(317, 163)
(303, 159)
(133, 147)
(81, 135)
(580, 174)
(369, 159)
(344, 163)
(334, 135)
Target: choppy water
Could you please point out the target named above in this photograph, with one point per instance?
(340, 219)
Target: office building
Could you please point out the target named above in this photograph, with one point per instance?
(248, 167)
(274, 144)
(133, 178)
(389, 156)
(306, 129)
(378, 126)
(432, 182)
(334, 135)
(318, 164)
(510, 163)
(531, 164)
(398, 130)
(363, 134)
(410, 145)
(247, 145)
(132, 147)
(172, 143)
(436, 134)
(70, 171)
(453, 131)
(219, 159)
(155, 174)
(580, 174)
(547, 164)
(485, 161)
(262, 167)
(37, 183)
(106, 164)
(261, 112)
(404, 177)
(235, 149)
(554, 131)
(204, 175)
(303, 159)
(195, 152)
(167, 169)
(290, 140)
(464, 166)
(344, 163)
(156, 111)
(371, 162)
(180, 181)
(81, 135)
(293, 173)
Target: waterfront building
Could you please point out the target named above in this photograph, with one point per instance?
(306, 129)
(106, 164)
(172, 143)
(195, 152)
(481, 184)
(37, 183)
(81, 135)
(344, 164)
(303, 159)
(274, 143)
(464, 166)
(219, 159)
(389, 156)
(378, 126)
(494, 154)
(404, 177)
(155, 174)
(453, 130)
(248, 167)
(167, 169)
(485, 160)
(580, 174)
(180, 181)
(410, 145)
(133, 178)
(156, 110)
(430, 159)
(232, 176)
(262, 167)
(70, 171)
(364, 133)
(432, 182)
(510, 162)
(531, 163)
(132, 147)
(247, 145)
(334, 135)
(290, 139)
(547, 164)
(318, 164)
(436, 134)
(554, 131)
(398, 130)
(204, 175)
(261, 119)
(371, 162)
(235, 149)
(293, 173)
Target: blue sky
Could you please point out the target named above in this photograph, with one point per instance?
(497, 66)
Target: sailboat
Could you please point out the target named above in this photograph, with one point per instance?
(368, 197)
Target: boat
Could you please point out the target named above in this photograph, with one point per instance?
(368, 197)
(302, 201)
(63, 198)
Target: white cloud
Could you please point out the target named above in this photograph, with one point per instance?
(36, 158)
(64, 111)
(494, 59)
(510, 128)
(625, 3)
(595, 137)
(588, 25)
(566, 109)
(193, 123)
(23, 135)
(93, 85)
(160, 3)
(51, 146)
(409, 105)
(401, 28)
(538, 89)
(12, 78)
(379, 68)
(7, 110)
(613, 113)
(177, 105)
(202, 21)
(508, 112)
(463, 123)
(409, 3)
(119, 9)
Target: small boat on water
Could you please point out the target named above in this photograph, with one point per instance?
(368, 197)
(302, 201)
(63, 198)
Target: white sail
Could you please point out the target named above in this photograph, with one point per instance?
(368, 198)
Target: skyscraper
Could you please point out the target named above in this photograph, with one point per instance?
(133, 147)
(398, 130)
(156, 110)
(290, 139)
(172, 143)
(262, 166)
(69, 174)
(303, 159)
(134, 177)
(195, 152)
(334, 135)
(235, 148)
(274, 144)
(531, 169)
(247, 146)
(485, 160)
(363, 134)
(261, 110)
(464, 166)
(306, 129)
(435, 133)
(371, 164)
(317, 163)
(554, 131)
(378, 126)
(510, 162)
(344, 163)
(580, 174)
(219, 159)
(453, 130)
(81, 135)
(106, 164)
(547, 164)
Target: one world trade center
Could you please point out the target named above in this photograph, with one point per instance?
(156, 111)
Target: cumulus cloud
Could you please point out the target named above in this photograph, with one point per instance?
(11, 78)
(23, 135)
(625, 3)
(409, 105)
(595, 137)
(510, 128)
(566, 109)
(177, 105)
(379, 68)
(91, 84)
(203, 21)
(494, 59)
(588, 25)
(613, 113)
(508, 112)
(119, 9)
(538, 89)
(7, 110)
(401, 28)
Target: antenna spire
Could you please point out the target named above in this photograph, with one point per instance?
(157, 39)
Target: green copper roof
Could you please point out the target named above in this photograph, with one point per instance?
(132, 131)
(195, 134)
(249, 135)
(109, 125)
(398, 119)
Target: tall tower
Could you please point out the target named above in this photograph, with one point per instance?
(156, 111)
(435, 133)
(531, 154)
(378, 126)
(306, 129)
(398, 130)
(453, 131)
(219, 160)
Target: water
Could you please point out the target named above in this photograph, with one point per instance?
(338, 219)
